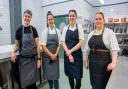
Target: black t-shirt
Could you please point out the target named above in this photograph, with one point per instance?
(19, 33)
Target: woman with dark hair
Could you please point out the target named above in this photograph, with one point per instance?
(102, 51)
(27, 41)
(73, 38)
(51, 46)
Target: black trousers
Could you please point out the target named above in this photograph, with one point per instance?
(75, 83)
(32, 86)
(99, 75)
(53, 83)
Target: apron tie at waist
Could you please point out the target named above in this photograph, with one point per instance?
(100, 50)
(27, 56)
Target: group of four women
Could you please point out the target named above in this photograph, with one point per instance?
(101, 52)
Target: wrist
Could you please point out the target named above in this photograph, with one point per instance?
(39, 59)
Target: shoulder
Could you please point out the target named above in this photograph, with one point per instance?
(45, 30)
(91, 33)
(109, 31)
(79, 26)
(33, 28)
(66, 27)
(19, 30)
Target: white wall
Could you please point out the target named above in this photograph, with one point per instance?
(83, 9)
(47, 2)
(5, 34)
(114, 11)
(35, 7)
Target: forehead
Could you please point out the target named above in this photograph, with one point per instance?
(27, 14)
(50, 16)
(72, 13)
(98, 16)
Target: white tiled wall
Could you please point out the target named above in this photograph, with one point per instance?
(5, 34)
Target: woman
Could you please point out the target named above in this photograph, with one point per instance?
(102, 47)
(73, 38)
(27, 41)
(51, 46)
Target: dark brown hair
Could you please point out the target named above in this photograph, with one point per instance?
(73, 11)
(28, 12)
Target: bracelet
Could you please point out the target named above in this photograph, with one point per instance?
(39, 59)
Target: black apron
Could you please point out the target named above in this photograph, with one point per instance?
(51, 68)
(27, 60)
(73, 70)
(98, 62)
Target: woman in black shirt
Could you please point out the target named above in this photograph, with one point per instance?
(27, 41)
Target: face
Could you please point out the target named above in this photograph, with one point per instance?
(72, 18)
(50, 20)
(27, 19)
(99, 21)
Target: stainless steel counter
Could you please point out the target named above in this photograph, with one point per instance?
(119, 77)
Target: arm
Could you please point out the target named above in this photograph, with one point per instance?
(58, 49)
(45, 49)
(15, 49)
(112, 65)
(86, 60)
(114, 47)
(38, 52)
(76, 47)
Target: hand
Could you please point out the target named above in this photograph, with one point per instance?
(86, 64)
(38, 64)
(71, 59)
(111, 66)
(13, 57)
(68, 52)
(53, 57)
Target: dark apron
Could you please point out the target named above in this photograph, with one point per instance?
(27, 60)
(98, 62)
(73, 70)
(51, 68)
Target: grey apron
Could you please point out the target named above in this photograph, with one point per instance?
(51, 68)
(27, 60)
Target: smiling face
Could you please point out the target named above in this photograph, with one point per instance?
(99, 20)
(72, 18)
(50, 21)
(27, 19)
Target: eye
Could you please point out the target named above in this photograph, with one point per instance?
(98, 19)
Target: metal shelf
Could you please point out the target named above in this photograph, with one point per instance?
(123, 45)
(121, 34)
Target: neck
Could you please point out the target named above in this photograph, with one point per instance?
(26, 25)
(100, 28)
(72, 24)
(51, 27)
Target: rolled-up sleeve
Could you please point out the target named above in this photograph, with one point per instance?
(81, 32)
(114, 46)
(63, 34)
(44, 37)
(59, 36)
